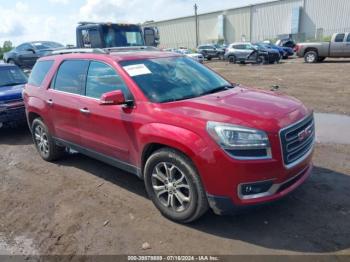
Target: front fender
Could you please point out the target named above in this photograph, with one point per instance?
(186, 141)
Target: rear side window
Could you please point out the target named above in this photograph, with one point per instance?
(103, 79)
(39, 72)
(339, 38)
(348, 40)
(71, 76)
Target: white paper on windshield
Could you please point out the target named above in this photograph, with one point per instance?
(137, 70)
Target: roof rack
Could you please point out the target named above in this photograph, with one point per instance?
(79, 51)
(130, 48)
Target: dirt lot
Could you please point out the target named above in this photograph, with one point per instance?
(82, 206)
(323, 87)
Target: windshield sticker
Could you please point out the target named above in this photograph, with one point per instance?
(137, 70)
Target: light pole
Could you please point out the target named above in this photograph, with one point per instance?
(196, 18)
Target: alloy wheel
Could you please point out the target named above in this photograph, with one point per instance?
(41, 140)
(171, 187)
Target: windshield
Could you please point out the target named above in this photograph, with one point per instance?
(174, 78)
(11, 76)
(46, 45)
(120, 35)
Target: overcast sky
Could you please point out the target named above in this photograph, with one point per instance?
(56, 20)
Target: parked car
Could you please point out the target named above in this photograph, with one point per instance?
(247, 53)
(12, 81)
(285, 52)
(317, 52)
(287, 42)
(197, 140)
(195, 56)
(211, 51)
(26, 54)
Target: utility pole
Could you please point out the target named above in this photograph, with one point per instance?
(196, 18)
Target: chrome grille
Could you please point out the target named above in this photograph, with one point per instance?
(297, 141)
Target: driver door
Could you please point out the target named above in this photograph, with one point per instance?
(27, 55)
(105, 129)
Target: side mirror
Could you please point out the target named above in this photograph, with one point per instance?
(113, 98)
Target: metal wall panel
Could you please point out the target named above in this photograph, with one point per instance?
(237, 26)
(181, 32)
(272, 19)
(177, 33)
(330, 15)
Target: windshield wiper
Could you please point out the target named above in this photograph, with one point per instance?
(177, 99)
(12, 84)
(218, 89)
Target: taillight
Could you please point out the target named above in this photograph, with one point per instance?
(297, 48)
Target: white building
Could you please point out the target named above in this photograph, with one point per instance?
(305, 18)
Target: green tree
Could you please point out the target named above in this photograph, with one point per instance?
(7, 46)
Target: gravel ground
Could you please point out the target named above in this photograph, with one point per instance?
(81, 206)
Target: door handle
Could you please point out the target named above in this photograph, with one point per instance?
(85, 111)
(49, 102)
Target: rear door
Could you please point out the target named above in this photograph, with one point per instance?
(105, 129)
(338, 45)
(64, 98)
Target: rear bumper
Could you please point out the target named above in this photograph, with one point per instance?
(13, 116)
(224, 205)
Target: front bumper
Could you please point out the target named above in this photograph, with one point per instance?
(224, 205)
(12, 116)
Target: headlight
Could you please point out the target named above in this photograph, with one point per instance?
(240, 142)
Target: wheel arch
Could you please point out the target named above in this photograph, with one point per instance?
(309, 49)
(157, 136)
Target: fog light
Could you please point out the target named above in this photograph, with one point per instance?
(255, 188)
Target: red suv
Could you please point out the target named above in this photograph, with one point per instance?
(197, 140)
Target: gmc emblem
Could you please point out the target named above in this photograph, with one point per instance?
(305, 133)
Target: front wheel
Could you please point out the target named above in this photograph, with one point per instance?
(174, 186)
(261, 60)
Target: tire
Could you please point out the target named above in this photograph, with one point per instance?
(11, 61)
(311, 57)
(170, 177)
(232, 59)
(209, 58)
(44, 142)
(261, 60)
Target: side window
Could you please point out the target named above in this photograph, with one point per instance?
(24, 47)
(39, 72)
(348, 39)
(71, 76)
(103, 79)
(339, 38)
(91, 38)
(86, 38)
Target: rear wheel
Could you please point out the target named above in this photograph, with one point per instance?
(174, 186)
(311, 57)
(44, 142)
(232, 59)
(11, 61)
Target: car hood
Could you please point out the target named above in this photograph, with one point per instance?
(268, 111)
(194, 55)
(8, 93)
